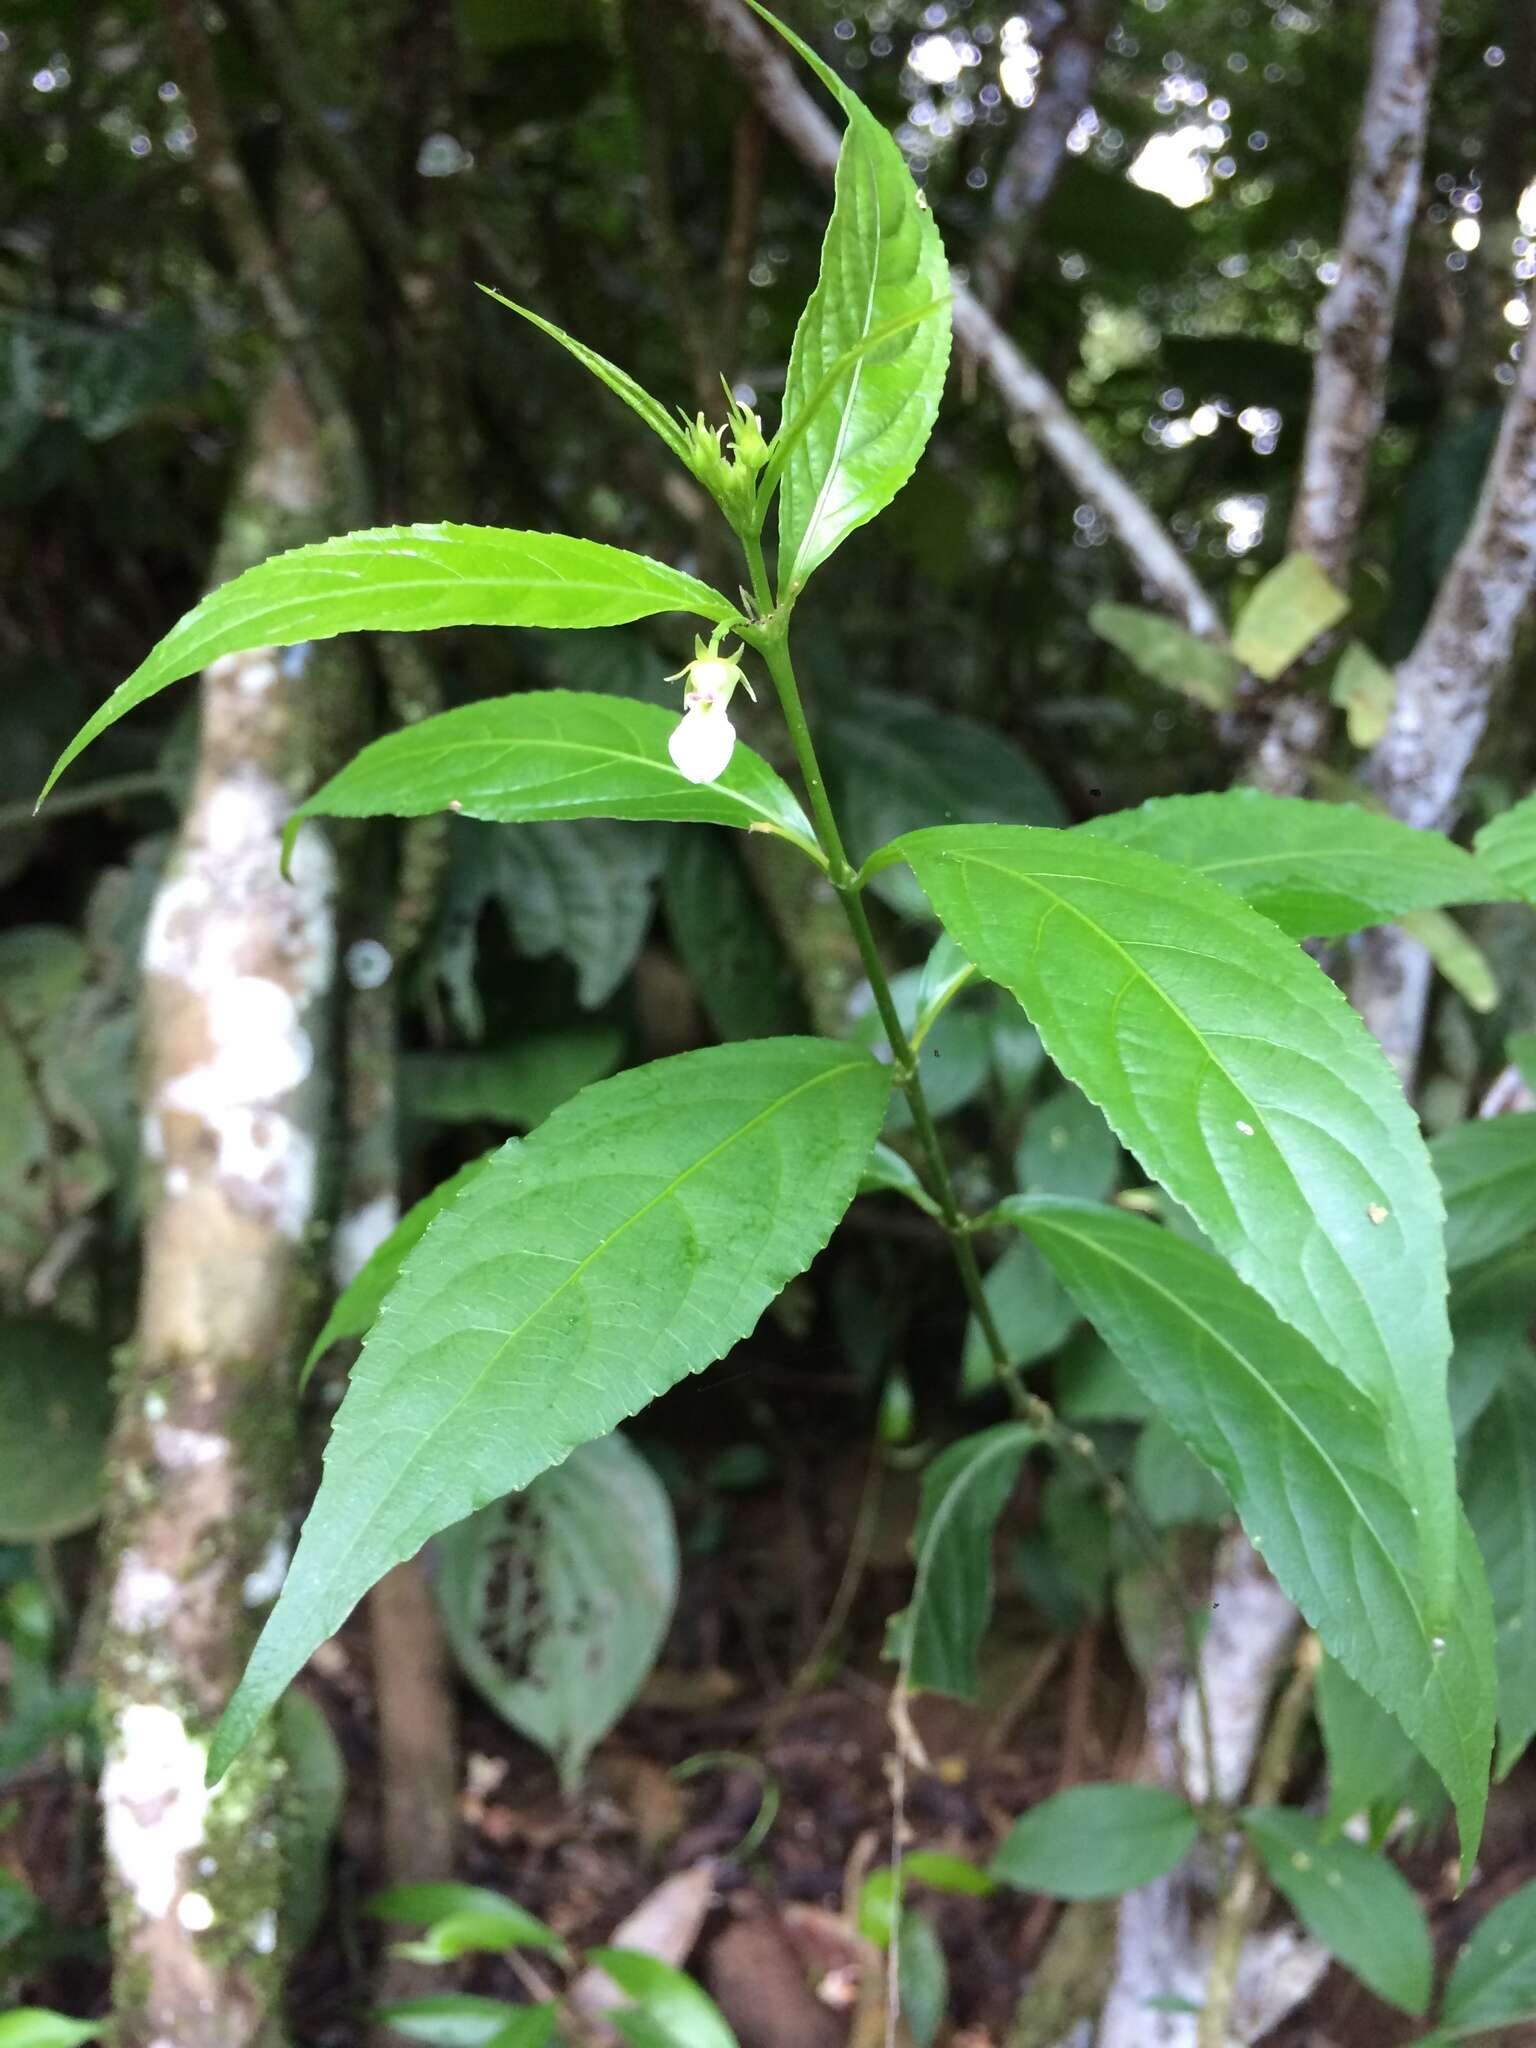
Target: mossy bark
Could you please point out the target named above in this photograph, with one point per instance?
(238, 976)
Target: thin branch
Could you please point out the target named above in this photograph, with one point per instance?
(741, 233)
(767, 71)
(1444, 689)
(1034, 156)
(1355, 342)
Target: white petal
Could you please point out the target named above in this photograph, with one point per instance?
(701, 744)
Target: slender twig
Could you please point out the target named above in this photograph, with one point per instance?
(1444, 690)
(1240, 1900)
(741, 233)
(1349, 381)
(765, 69)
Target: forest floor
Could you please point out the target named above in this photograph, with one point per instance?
(751, 1691)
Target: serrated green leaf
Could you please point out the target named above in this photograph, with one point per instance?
(631, 1240)
(551, 754)
(358, 1303)
(408, 579)
(1096, 1841)
(1494, 1981)
(1169, 654)
(1237, 1074)
(619, 382)
(1365, 689)
(316, 1788)
(1369, 1756)
(1487, 1169)
(882, 258)
(1289, 609)
(683, 2012)
(1457, 955)
(1507, 846)
(964, 1491)
(557, 1600)
(1359, 1906)
(1316, 870)
(1302, 1454)
(1499, 1487)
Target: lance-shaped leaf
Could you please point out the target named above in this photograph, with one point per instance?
(1237, 1074)
(406, 579)
(1302, 1454)
(633, 1238)
(1494, 1981)
(1096, 1841)
(551, 754)
(1488, 1172)
(1318, 870)
(1507, 846)
(1288, 610)
(1169, 654)
(882, 258)
(964, 1491)
(619, 382)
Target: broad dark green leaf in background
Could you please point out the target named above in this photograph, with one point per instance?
(724, 938)
(1033, 1312)
(552, 754)
(964, 1492)
(517, 1084)
(55, 1413)
(407, 579)
(1241, 1079)
(1096, 1841)
(1067, 1149)
(1487, 1169)
(557, 1599)
(881, 258)
(1172, 1484)
(1491, 1329)
(1169, 654)
(1507, 846)
(1359, 1906)
(1369, 1757)
(631, 1240)
(1301, 1452)
(1317, 870)
(1494, 1981)
(1499, 1487)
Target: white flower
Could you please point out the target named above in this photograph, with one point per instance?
(702, 742)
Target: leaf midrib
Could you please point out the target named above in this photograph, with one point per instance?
(663, 1194)
(1275, 1401)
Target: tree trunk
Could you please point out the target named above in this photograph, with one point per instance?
(238, 969)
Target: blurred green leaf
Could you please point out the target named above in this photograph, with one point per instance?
(1096, 1841)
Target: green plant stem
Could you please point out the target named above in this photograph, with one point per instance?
(1241, 1896)
(772, 642)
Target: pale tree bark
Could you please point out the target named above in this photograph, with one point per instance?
(1028, 172)
(767, 70)
(238, 968)
(1354, 344)
(1444, 690)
